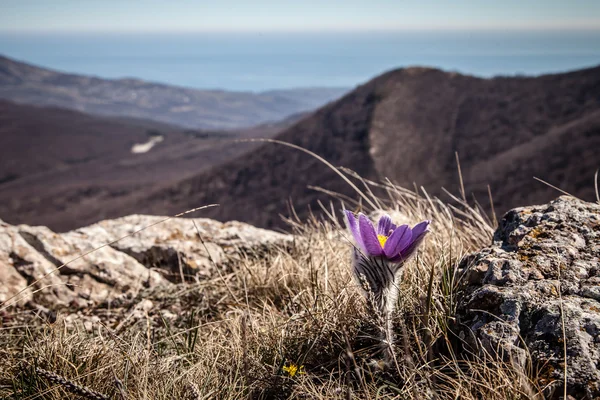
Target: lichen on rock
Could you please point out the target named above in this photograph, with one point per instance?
(540, 274)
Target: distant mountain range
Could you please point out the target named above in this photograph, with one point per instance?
(406, 125)
(210, 109)
(66, 169)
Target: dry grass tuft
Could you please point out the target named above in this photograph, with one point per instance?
(238, 335)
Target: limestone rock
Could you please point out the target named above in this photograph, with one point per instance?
(542, 270)
(179, 246)
(98, 275)
(106, 268)
(19, 258)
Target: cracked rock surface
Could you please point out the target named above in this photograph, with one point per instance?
(542, 272)
(166, 253)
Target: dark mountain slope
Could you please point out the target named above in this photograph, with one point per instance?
(209, 109)
(427, 115)
(407, 125)
(41, 140)
(66, 169)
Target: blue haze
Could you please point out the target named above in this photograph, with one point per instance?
(258, 62)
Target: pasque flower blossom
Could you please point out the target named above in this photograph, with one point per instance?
(378, 259)
(395, 244)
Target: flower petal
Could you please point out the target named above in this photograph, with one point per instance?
(421, 227)
(398, 241)
(418, 234)
(369, 237)
(412, 249)
(353, 227)
(384, 226)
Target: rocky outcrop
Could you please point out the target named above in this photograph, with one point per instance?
(536, 288)
(105, 267)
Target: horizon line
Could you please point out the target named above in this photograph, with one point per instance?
(364, 30)
(384, 71)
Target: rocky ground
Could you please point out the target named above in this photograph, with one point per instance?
(202, 309)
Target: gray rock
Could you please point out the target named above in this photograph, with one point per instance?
(192, 247)
(19, 259)
(543, 259)
(157, 256)
(99, 275)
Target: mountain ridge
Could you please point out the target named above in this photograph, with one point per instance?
(407, 125)
(25, 83)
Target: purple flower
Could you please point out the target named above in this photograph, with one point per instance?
(377, 264)
(390, 242)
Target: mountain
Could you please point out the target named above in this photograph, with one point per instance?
(64, 169)
(406, 125)
(213, 109)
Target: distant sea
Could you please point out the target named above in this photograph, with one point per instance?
(258, 62)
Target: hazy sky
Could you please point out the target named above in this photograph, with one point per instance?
(295, 15)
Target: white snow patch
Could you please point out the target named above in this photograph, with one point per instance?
(139, 148)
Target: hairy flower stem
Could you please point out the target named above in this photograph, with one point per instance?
(381, 291)
(386, 328)
(386, 339)
(383, 320)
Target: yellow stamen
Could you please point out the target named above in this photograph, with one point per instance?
(382, 240)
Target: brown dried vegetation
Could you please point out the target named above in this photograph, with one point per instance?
(231, 337)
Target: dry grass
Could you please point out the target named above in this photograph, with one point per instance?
(234, 337)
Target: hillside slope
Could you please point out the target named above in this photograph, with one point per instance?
(65, 169)
(192, 108)
(406, 125)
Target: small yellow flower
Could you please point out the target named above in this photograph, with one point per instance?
(293, 369)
